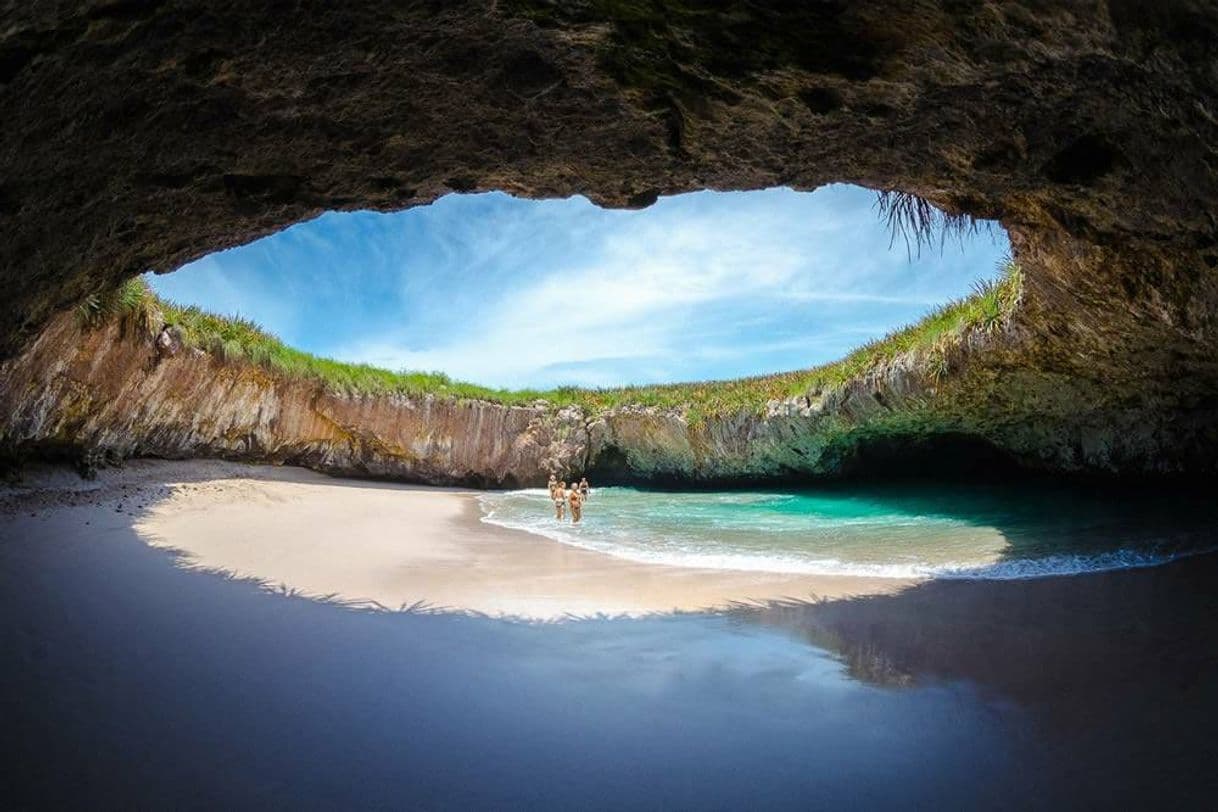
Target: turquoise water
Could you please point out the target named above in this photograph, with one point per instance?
(895, 531)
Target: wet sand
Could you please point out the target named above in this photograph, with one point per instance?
(128, 681)
(393, 545)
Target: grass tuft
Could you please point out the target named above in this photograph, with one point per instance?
(132, 301)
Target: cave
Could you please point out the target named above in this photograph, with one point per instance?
(140, 136)
(181, 628)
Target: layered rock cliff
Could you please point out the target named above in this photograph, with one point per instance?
(132, 389)
(116, 392)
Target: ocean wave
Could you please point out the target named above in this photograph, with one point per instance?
(672, 553)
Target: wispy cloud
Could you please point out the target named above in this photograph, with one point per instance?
(520, 293)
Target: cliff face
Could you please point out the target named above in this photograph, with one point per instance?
(113, 391)
(141, 134)
(129, 390)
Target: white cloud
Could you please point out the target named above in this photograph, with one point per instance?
(626, 300)
(514, 293)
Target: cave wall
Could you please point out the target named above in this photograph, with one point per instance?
(141, 134)
(96, 395)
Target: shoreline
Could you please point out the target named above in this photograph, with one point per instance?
(379, 544)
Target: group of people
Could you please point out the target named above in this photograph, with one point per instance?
(575, 498)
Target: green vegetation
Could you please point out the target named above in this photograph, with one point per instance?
(133, 302)
(236, 340)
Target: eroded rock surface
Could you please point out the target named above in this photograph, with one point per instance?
(114, 393)
(141, 134)
(96, 396)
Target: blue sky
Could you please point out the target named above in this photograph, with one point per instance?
(508, 292)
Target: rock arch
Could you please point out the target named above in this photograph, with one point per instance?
(139, 134)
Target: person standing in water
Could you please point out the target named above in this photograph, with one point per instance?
(560, 500)
(584, 490)
(577, 504)
(553, 484)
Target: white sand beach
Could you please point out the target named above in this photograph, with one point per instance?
(377, 543)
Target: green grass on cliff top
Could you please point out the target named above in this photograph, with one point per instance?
(236, 340)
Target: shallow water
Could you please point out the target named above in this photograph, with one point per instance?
(983, 531)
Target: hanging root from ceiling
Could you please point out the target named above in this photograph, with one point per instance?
(920, 223)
